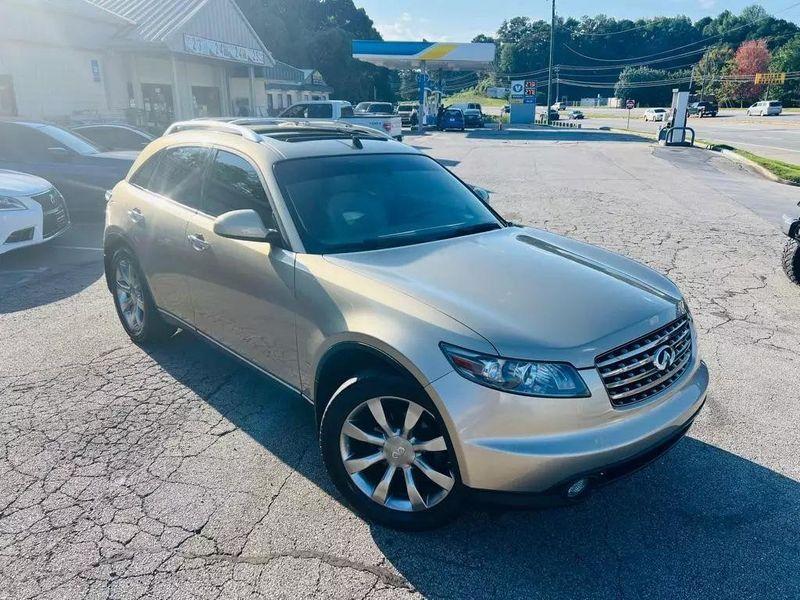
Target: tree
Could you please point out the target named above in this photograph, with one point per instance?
(658, 90)
(318, 34)
(752, 57)
(710, 70)
(787, 59)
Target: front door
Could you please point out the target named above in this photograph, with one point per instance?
(206, 102)
(159, 109)
(161, 204)
(243, 291)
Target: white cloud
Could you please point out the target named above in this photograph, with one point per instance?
(409, 28)
(707, 4)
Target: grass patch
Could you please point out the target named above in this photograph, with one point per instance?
(784, 170)
(473, 96)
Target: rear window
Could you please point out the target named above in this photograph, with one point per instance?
(320, 111)
(775, 104)
(347, 112)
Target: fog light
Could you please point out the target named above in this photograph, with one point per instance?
(577, 488)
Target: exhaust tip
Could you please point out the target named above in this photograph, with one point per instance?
(578, 488)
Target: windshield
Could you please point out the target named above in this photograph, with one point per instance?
(356, 203)
(70, 140)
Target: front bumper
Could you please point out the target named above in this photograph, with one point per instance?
(524, 445)
(791, 226)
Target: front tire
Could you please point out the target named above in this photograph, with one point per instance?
(387, 450)
(791, 261)
(135, 307)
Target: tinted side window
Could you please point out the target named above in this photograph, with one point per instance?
(298, 111)
(319, 111)
(25, 144)
(347, 112)
(145, 172)
(233, 184)
(179, 175)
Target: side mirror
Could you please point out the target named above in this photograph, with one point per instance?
(246, 225)
(481, 193)
(59, 153)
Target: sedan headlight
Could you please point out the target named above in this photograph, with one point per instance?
(525, 377)
(9, 203)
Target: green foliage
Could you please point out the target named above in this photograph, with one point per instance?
(318, 34)
(712, 67)
(657, 94)
(784, 170)
(787, 59)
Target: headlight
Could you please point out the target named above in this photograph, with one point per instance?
(8, 203)
(525, 377)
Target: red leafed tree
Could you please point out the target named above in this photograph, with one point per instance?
(752, 57)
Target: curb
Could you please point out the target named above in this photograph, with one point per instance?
(732, 155)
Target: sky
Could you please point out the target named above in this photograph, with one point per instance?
(462, 20)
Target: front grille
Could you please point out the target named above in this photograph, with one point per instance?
(54, 211)
(630, 373)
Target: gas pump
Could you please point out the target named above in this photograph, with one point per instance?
(674, 132)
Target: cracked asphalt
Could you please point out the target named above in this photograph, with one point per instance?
(173, 472)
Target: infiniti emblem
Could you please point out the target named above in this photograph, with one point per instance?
(664, 357)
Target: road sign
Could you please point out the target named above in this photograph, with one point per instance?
(630, 104)
(770, 78)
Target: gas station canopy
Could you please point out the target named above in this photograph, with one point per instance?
(434, 55)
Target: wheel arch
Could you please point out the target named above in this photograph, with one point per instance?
(349, 360)
(113, 240)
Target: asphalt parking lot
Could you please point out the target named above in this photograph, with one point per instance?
(172, 472)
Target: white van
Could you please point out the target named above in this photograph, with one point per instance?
(765, 108)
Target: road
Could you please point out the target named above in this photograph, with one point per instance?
(171, 472)
(772, 137)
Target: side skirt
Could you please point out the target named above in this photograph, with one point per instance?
(178, 322)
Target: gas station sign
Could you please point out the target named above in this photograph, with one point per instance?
(530, 92)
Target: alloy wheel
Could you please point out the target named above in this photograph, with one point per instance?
(395, 452)
(130, 295)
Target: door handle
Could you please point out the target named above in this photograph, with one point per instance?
(198, 242)
(136, 216)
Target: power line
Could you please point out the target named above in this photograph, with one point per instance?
(726, 32)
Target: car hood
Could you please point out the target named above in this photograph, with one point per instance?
(529, 293)
(22, 184)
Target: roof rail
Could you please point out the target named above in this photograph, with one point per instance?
(286, 123)
(210, 125)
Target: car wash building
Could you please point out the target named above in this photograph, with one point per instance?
(149, 62)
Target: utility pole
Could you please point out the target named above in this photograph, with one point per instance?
(550, 68)
(558, 83)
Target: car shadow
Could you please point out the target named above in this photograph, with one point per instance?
(700, 522)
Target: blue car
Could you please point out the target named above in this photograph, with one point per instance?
(452, 118)
(81, 171)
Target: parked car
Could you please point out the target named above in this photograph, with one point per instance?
(371, 108)
(404, 110)
(452, 118)
(111, 137)
(791, 253)
(765, 108)
(554, 114)
(32, 211)
(342, 111)
(704, 108)
(655, 114)
(79, 169)
(473, 113)
(576, 115)
(445, 351)
(559, 106)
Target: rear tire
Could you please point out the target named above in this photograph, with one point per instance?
(791, 261)
(136, 309)
(393, 489)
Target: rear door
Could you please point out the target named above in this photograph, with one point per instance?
(164, 195)
(243, 291)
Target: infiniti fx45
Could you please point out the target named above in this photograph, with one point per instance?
(446, 351)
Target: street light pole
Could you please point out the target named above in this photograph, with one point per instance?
(550, 68)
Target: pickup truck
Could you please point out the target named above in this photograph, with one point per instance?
(341, 110)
